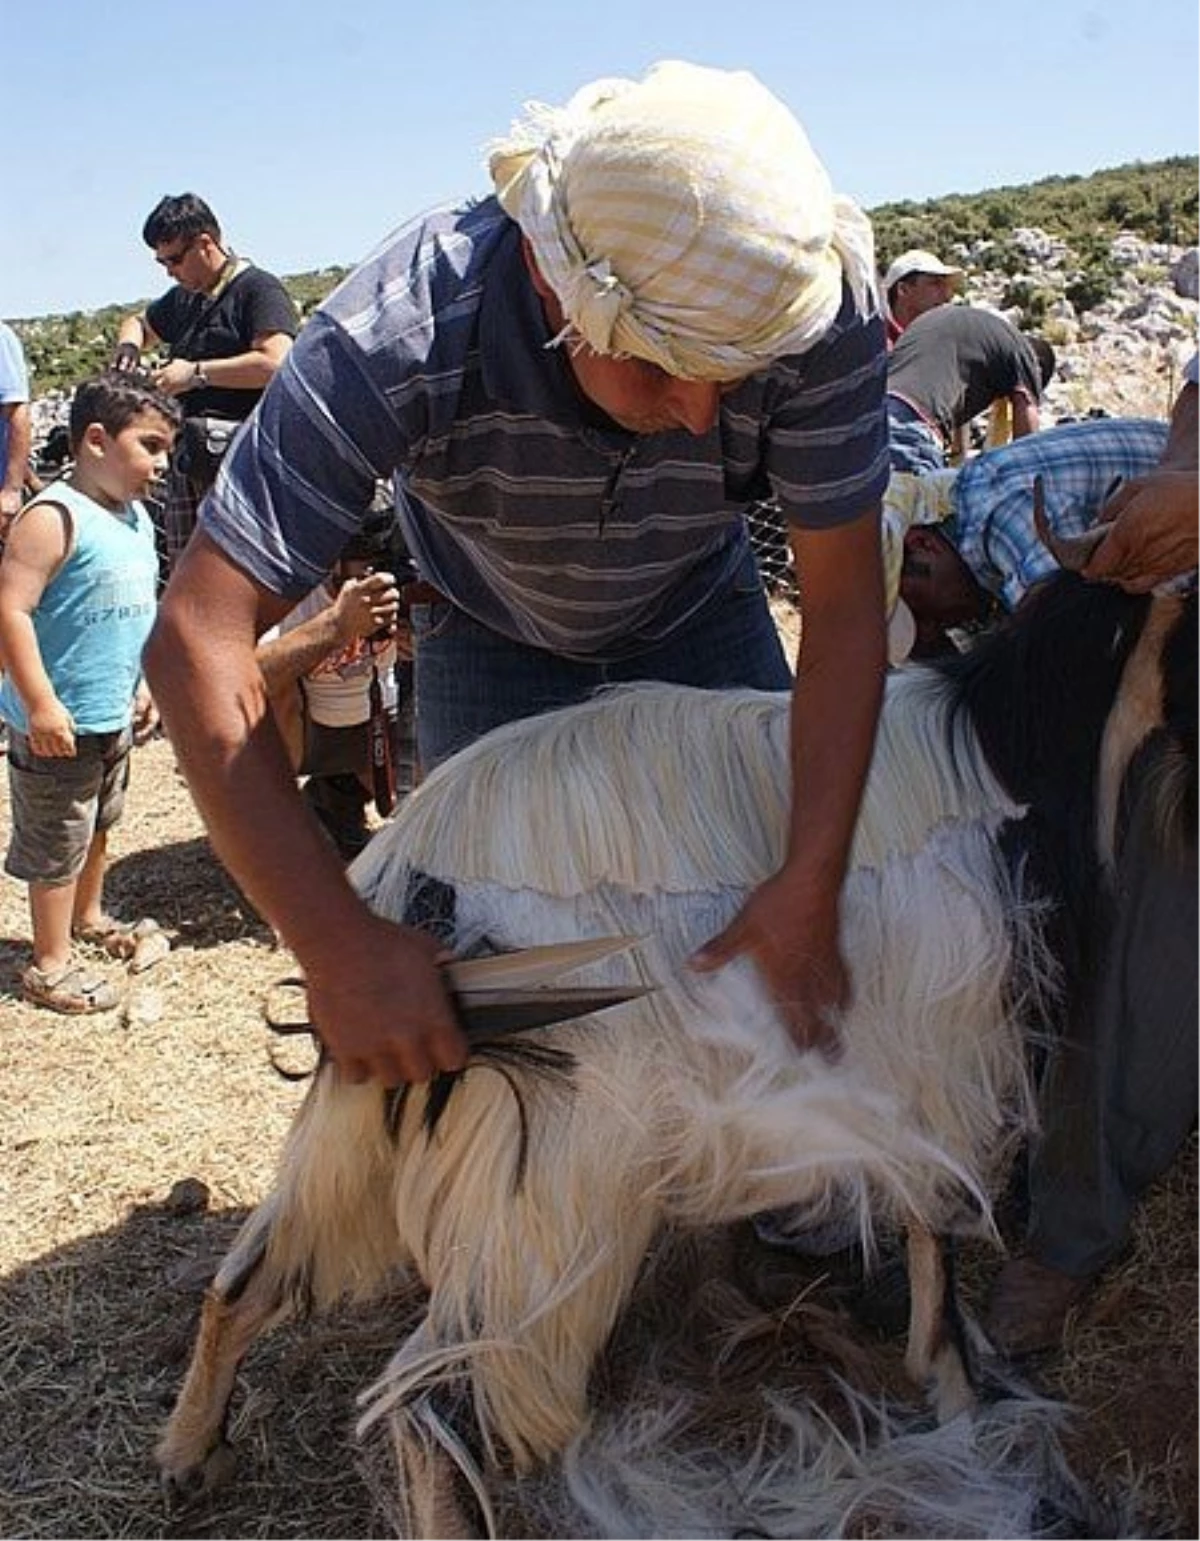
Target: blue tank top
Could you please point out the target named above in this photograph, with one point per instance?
(95, 614)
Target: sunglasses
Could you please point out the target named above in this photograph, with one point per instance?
(171, 260)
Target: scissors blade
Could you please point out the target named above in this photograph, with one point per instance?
(491, 1012)
(529, 967)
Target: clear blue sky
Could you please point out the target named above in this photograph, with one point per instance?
(314, 128)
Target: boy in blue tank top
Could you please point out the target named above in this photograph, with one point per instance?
(77, 598)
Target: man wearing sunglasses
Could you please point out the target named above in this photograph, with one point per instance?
(226, 326)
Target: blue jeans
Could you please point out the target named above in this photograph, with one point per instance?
(1119, 1097)
(470, 679)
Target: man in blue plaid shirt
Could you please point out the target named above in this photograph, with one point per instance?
(987, 552)
(1082, 465)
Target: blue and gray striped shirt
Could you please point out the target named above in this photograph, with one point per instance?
(429, 365)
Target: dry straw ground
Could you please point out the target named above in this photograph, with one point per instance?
(101, 1273)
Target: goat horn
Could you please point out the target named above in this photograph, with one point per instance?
(1069, 551)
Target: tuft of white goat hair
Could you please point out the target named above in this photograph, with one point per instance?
(890, 1473)
(728, 1421)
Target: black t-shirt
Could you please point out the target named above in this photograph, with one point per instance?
(254, 304)
(952, 362)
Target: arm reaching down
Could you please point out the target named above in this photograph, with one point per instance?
(789, 926)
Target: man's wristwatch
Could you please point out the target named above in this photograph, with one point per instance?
(200, 380)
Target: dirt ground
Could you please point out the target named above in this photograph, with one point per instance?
(102, 1265)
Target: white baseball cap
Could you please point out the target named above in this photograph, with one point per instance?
(916, 261)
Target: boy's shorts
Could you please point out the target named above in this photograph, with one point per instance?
(59, 804)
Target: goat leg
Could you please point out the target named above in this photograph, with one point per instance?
(434, 1470)
(193, 1455)
(936, 1357)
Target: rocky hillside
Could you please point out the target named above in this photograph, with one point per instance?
(1122, 354)
(1104, 266)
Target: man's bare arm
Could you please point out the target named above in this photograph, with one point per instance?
(248, 371)
(790, 924)
(16, 465)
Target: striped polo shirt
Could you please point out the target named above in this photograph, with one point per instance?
(538, 516)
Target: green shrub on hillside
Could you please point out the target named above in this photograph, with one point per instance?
(1032, 299)
(1091, 287)
(1157, 200)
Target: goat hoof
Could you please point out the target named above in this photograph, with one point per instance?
(184, 1486)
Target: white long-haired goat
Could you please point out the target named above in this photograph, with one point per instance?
(526, 1200)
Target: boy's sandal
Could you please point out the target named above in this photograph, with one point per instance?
(69, 990)
(141, 943)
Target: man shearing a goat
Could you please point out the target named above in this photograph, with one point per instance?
(578, 386)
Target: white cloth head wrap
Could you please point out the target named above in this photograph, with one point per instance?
(911, 500)
(684, 219)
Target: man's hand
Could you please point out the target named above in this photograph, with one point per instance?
(52, 731)
(145, 715)
(10, 507)
(366, 605)
(381, 1007)
(176, 378)
(1152, 532)
(793, 940)
(126, 357)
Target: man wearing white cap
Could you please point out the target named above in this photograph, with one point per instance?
(916, 282)
(578, 386)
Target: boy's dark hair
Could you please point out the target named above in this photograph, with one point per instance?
(114, 399)
(1046, 357)
(180, 216)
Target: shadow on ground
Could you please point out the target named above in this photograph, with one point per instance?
(181, 885)
(94, 1340)
(187, 890)
(95, 1336)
